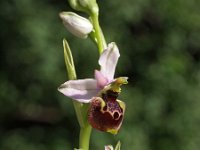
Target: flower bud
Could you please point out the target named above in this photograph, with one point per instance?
(109, 147)
(88, 6)
(77, 25)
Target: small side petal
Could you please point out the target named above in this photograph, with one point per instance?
(108, 61)
(80, 90)
(101, 80)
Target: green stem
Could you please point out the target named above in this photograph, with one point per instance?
(84, 137)
(101, 42)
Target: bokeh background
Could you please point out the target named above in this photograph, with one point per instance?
(159, 42)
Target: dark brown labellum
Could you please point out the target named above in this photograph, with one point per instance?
(106, 114)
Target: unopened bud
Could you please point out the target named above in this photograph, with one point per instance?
(77, 25)
(88, 6)
(109, 147)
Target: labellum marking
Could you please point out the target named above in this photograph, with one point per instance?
(106, 114)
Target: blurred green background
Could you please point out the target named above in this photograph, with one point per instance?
(159, 42)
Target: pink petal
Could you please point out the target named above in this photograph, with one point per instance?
(108, 61)
(101, 80)
(80, 90)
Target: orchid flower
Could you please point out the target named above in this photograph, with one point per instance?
(106, 111)
(110, 147)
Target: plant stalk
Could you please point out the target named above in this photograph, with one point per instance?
(100, 40)
(84, 137)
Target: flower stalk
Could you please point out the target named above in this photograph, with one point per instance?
(99, 37)
(84, 137)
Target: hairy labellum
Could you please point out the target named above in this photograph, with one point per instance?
(106, 113)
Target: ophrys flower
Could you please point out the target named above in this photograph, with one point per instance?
(106, 112)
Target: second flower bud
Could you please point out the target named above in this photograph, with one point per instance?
(77, 25)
